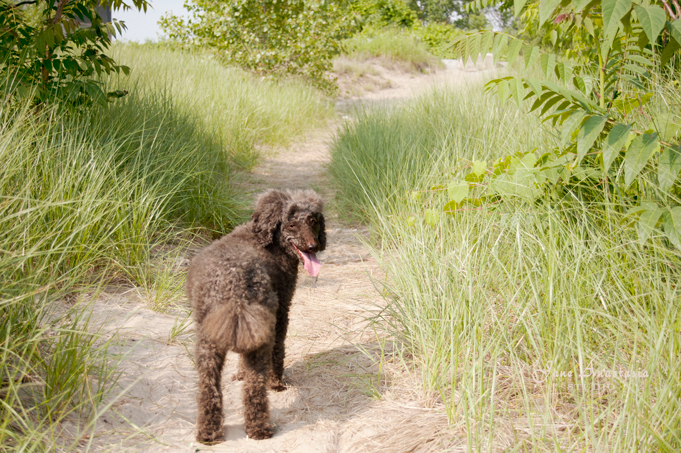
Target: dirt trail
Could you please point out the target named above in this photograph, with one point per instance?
(331, 403)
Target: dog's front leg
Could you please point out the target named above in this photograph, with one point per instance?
(276, 381)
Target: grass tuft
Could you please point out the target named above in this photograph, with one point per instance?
(393, 47)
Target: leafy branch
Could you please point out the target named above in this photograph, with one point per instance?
(598, 60)
(60, 56)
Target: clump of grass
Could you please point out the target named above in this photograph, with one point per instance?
(55, 369)
(90, 197)
(546, 326)
(393, 47)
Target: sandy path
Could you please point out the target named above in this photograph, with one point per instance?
(332, 402)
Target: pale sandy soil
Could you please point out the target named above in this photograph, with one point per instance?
(335, 401)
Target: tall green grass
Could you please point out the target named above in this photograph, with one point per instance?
(231, 105)
(85, 198)
(541, 327)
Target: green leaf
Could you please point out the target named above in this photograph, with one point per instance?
(642, 39)
(652, 19)
(457, 191)
(503, 90)
(450, 207)
(513, 50)
(626, 104)
(546, 9)
(647, 221)
(669, 51)
(551, 102)
(486, 43)
(637, 156)
(479, 167)
(579, 5)
(472, 48)
(570, 125)
(668, 125)
(580, 84)
(534, 85)
(613, 144)
(675, 29)
(500, 43)
(528, 160)
(530, 54)
(517, 90)
(548, 62)
(671, 222)
(564, 72)
(589, 25)
(613, 12)
(639, 59)
(669, 167)
(432, 217)
(637, 69)
(518, 7)
(519, 184)
(588, 134)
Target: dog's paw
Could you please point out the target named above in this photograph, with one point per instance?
(210, 437)
(259, 432)
(276, 385)
(238, 376)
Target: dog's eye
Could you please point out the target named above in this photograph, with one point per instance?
(313, 222)
(292, 225)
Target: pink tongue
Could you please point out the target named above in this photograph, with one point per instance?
(311, 263)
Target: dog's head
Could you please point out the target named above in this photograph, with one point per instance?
(295, 221)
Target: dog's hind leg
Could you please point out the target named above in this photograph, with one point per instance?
(209, 361)
(256, 367)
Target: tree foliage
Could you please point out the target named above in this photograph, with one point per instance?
(62, 52)
(385, 13)
(267, 36)
(453, 12)
(599, 60)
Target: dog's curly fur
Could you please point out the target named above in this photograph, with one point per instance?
(241, 288)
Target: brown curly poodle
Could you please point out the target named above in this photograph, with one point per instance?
(241, 288)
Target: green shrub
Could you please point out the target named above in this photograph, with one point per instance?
(438, 38)
(385, 13)
(296, 37)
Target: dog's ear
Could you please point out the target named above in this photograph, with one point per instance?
(267, 215)
(322, 232)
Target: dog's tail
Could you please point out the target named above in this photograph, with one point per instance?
(243, 328)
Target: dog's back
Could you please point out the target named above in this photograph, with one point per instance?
(231, 292)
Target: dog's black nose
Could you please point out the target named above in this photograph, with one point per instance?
(312, 247)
